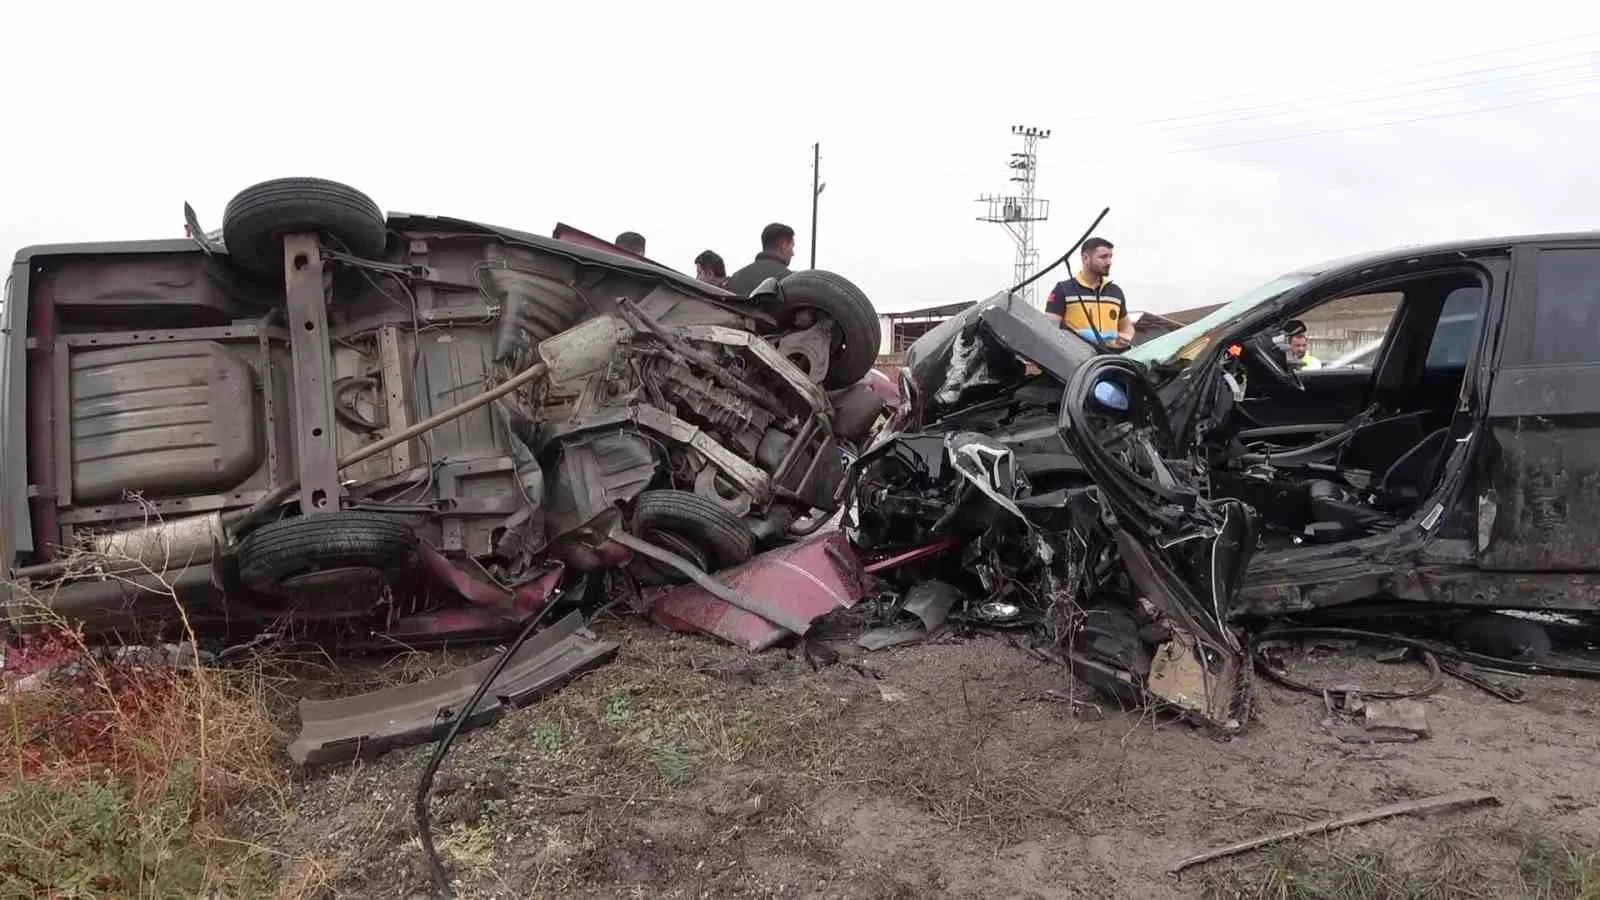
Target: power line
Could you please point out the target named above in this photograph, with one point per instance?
(1423, 80)
(1444, 115)
(1402, 95)
(1587, 79)
(1396, 71)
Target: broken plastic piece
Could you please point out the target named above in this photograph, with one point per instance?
(997, 612)
(892, 636)
(1395, 715)
(931, 601)
(1110, 395)
(378, 721)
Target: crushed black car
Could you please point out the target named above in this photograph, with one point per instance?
(1152, 511)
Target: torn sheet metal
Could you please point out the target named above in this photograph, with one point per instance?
(801, 581)
(370, 724)
(1193, 679)
(524, 600)
(931, 601)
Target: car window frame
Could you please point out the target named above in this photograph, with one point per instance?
(1534, 391)
(1490, 273)
(1388, 331)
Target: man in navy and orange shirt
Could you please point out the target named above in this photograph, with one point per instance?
(1090, 304)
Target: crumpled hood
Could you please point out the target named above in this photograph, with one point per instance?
(977, 350)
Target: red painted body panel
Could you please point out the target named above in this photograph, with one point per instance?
(808, 579)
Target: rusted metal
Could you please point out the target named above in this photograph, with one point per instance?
(241, 331)
(61, 412)
(394, 392)
(781, 470)
(525, 599)
(537, 370)
(313, 373)
(811, 467)
(269, 402)
(678, 345)
(122, 512)
(42, 387)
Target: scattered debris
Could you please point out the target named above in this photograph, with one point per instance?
(892, 636)
(1469, 674)
(1271, 664)
(891, 694)
(931, 601)
(1441, 803)
(1018, 472)
(1395, 715)
(372, 723)
(1077, 704)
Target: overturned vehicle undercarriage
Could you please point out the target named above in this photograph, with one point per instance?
(401, 428)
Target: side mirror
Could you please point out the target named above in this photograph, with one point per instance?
(767, 289)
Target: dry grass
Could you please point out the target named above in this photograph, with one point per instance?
(118, 773)
(1466, 861)
(648, 725)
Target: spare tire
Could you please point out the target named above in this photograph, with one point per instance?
(349, 539)
(259, 216)
(711, 528)
(857, 335)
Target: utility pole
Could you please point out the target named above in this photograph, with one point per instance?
(1017, 212)
(816, 192)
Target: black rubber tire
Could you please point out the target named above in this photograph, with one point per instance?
(723, 537)
(258, 216)
(336, 540)
(859, 336)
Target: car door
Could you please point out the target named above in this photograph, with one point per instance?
(1537, 506)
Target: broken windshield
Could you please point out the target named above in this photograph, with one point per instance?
(1185, 345)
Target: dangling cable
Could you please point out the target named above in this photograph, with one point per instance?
(1067, 255)
(425, 784)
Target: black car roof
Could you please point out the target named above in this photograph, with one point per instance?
(1476, 245)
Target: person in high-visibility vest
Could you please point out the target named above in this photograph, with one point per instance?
(1300, 352)
(1089, 304)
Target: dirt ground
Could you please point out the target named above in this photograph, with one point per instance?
(964, 767)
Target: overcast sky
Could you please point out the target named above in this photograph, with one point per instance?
(693, 123)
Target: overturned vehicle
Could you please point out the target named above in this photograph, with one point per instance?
(1155, 512)
(406, 427)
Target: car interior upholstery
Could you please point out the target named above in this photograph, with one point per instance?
(1317, 478)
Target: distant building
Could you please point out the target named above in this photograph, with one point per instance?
(1332, 329)
(901, 329)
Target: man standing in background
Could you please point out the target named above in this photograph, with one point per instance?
(777, 249)
(708, 267)
(1300, 349)
(1090, 304)
(631, 241)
